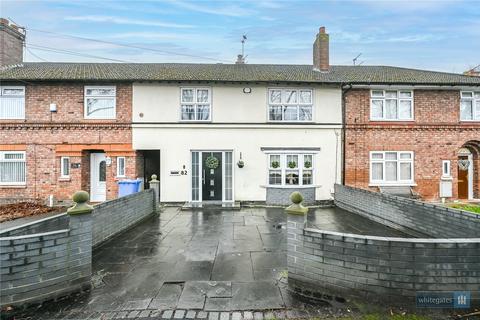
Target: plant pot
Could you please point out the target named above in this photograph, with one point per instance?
(240, 164)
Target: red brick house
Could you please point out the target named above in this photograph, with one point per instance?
(60, 137)
(414, 130)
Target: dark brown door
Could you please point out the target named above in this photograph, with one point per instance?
(212, 176)
(462, 181)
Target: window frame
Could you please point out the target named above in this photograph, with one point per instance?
(447, 174)
(85, 102)
(384, 98)
(195, 103)
(283, 169)
(124, 167)
(297, 104)
(398, 181)
(62, 173)
(23, 117)
(475, 105)
(24, 160)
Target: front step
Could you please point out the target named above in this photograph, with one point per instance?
(211, 206)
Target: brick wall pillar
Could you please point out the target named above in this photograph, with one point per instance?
(80, 241)
(155, 185)
(296, 221)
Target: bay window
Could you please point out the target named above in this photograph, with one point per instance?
(100, 102)
(391, 167)
(12, 102)
(470, 106)
(290, 105)
(195, 104)
(12, 168)
(391, 105)
(290, 169)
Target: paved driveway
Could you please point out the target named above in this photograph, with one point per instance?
(213, 261)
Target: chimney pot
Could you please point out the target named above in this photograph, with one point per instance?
(321, 58)
(4, 21)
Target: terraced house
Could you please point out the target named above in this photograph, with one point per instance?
(234, 132)
(413, 133)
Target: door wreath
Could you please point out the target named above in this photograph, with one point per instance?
(211, 162)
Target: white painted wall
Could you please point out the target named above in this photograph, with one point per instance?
(161, 103)
(176, 143)
(239, 123)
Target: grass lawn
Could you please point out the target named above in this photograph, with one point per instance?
(467, 207)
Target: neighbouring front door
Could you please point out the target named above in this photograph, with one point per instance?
(462, 179)
(98, 177)
(212, 176)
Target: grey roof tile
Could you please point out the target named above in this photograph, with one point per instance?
(46, 71)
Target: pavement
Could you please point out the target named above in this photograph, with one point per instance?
(210, 264)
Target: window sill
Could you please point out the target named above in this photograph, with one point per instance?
(470, 121)
(64, 179)
(195, 121)
(290, 186)
(117, 178)
(446, 178)
(13, 186)
(396, 184)
(389, 121)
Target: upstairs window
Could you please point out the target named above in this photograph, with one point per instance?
(12, 168)
(290, 169)
(391, 105)
(100, 102)
(290, 105)
(470, 106)
(391, 167)
(195, 104)
(12, 102)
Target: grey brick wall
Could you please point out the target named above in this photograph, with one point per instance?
(52, 257)
(417, 218)
(328, 264)
(115, 216)
(281, 196)
(40, 266)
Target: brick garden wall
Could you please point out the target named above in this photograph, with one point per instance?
(436, 134)
(52, 257)
(115, 216)
(41, 266)
(47, 136)
(325, 264)
(411, 216)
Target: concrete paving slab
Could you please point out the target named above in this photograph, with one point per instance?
(233, 266)
(261, 295)
(218, 304)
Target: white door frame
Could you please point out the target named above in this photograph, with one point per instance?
(200, 170)
(470, 177)
(96, 194)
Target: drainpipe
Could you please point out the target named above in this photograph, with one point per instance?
(345, 88)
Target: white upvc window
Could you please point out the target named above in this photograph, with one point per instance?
(195, 104)
(470, 106)
(12, 102)
(120, 167)
(100, 102)
(65, 167)
(446, 173)
(12, 168)
(290, 105)
(391, 167)
(391, 105)
(290, 169)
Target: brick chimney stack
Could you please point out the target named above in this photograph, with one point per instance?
(321, 51)
(12, 38)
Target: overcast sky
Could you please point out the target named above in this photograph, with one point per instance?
(439, 35)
